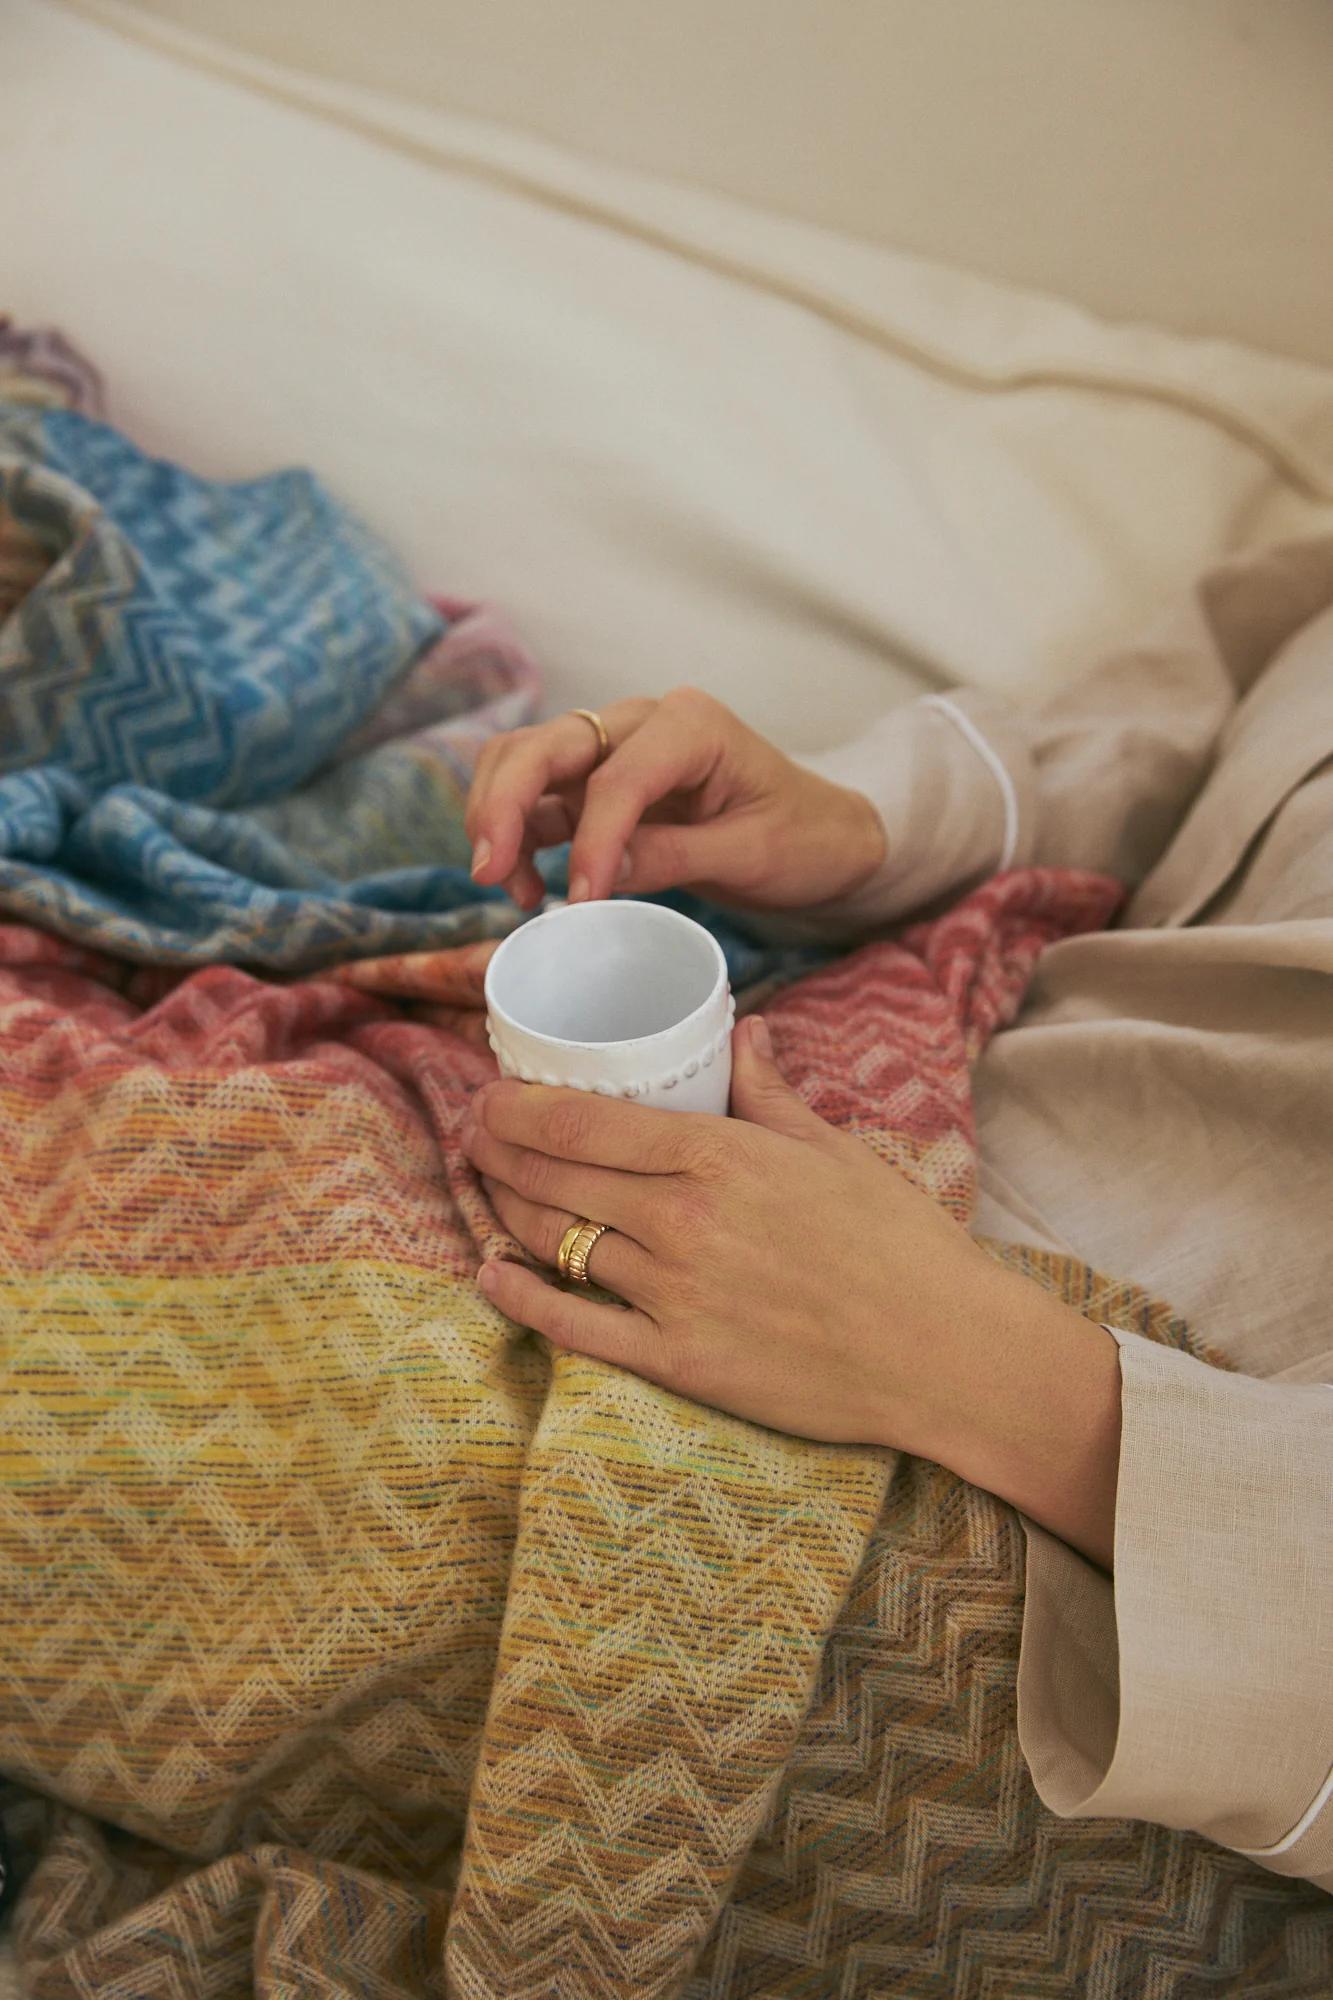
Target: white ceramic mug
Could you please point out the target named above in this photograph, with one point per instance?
(628, 999)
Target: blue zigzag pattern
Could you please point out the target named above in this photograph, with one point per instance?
(214, 642)
(175, 690)
(194, 650)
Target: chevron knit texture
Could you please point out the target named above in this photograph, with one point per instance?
(352, 1644)
(195, 763)
(174, 650)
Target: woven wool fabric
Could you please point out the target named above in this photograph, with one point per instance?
(351, 1643)
(220, 738)
(181, 661)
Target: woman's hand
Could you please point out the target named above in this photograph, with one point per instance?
(688, 797)
(774, 1267)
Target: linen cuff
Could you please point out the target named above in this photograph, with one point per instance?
(1194, 1690)
(950, 777)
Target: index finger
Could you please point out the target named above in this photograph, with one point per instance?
(515, 772)
(675, 748)
(599, 1131)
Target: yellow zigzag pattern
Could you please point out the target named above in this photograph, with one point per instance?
(353, 1645)
(747, 1726)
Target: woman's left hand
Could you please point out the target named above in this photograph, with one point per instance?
(773, 1267)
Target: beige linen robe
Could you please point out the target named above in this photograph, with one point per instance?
(1163, 1108)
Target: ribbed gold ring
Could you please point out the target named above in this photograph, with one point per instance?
(603, 740)
(576, 1245)
(567, 1242)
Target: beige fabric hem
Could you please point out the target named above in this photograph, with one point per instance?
(1155, 1697)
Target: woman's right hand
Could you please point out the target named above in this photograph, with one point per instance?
(688, 797)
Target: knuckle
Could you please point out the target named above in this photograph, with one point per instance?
(569, 1126)
(745, 1154)
(561, 1321)
(550, 1229)
(631, 714)
(692, 699)
(604, 783)
(695, 1151)
(534, 1174)
(687, 1298)
(690, 1215)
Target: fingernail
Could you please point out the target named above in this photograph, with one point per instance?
(626, 868)
(760, 1039)
(488, 1278)
(481, 855)
(579, 889)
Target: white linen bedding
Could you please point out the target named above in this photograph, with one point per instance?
(679, 439)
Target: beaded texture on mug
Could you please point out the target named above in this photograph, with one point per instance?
(642, 1087)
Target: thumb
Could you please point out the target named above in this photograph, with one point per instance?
(662, 856)
(760, 1093)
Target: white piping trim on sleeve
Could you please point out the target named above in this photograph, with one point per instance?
(994, 764)
(1302, 1826)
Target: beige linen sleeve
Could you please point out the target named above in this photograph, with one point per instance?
(968, 783)
(1197, 1689)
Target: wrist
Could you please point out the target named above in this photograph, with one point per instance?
(1034, 1413)
(854, 837)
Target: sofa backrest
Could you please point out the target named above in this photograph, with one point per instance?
(1158, 159)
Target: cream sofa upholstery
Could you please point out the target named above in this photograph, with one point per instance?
(681, 437)
(1150, 159)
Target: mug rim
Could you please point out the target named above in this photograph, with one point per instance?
(575, 911)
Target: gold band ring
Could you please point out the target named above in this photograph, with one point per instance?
(603, 740)
(576, 1245)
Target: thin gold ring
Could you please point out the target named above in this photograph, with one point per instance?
(576, 1246)
(603, 740)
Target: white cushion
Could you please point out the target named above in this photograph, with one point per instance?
(679, 439)
(1151, 159)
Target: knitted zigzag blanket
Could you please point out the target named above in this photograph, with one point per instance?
(353, 1643)
(229, 727)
